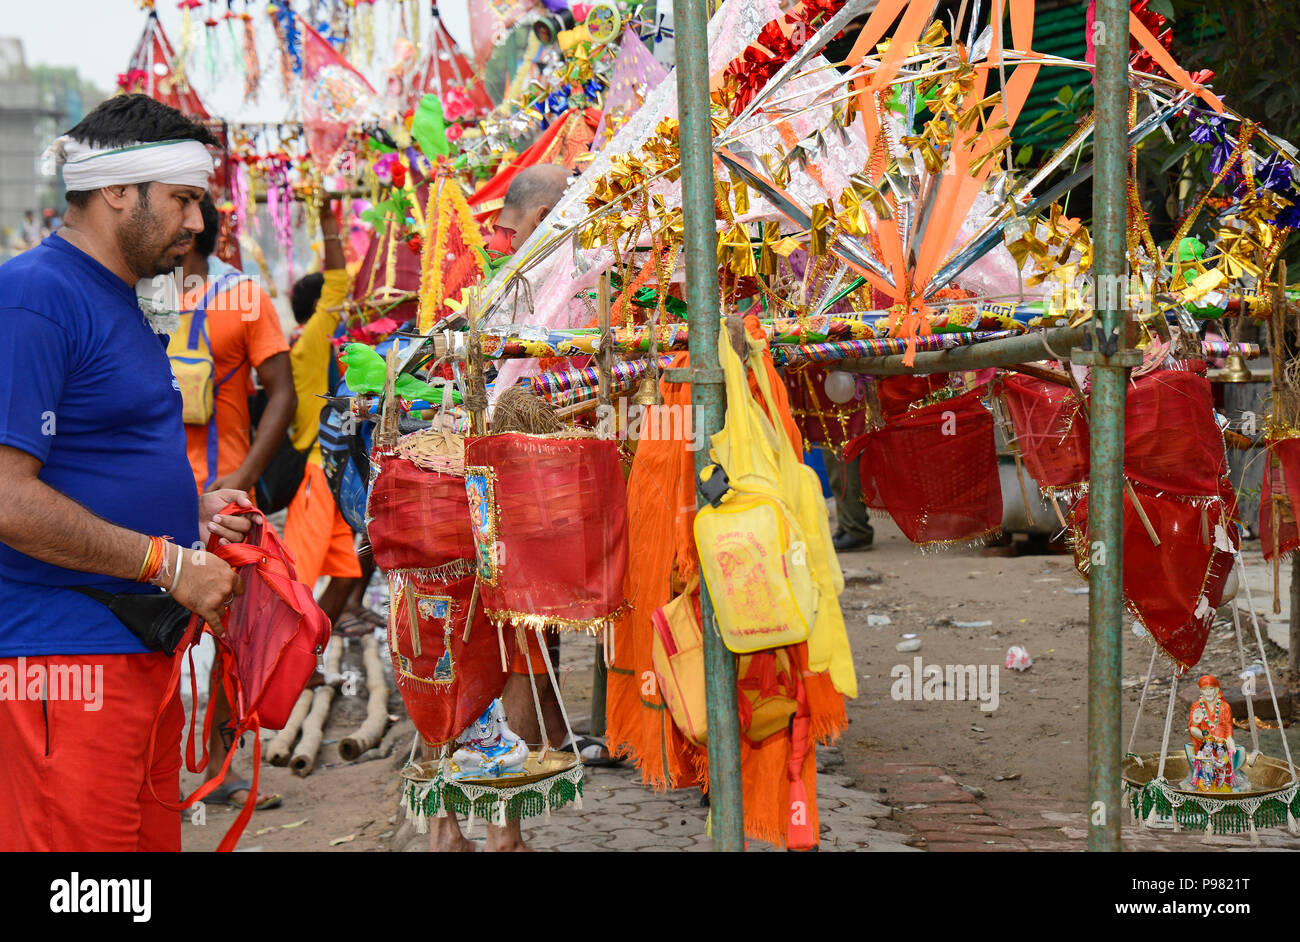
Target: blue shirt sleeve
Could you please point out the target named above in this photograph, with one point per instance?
(36, 355)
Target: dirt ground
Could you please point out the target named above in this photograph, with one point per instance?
(1033, 744)
(1037, 733)
(1035, 741)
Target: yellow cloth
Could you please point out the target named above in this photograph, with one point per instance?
(310, 361)
(755, 456)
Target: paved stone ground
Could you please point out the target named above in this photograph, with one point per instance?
(945, 816)
(619, 814)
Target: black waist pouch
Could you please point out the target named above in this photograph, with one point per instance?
(157, 619)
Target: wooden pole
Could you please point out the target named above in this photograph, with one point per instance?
(1141, 512)
(476, 402)
(1278, 353)
(313, 727)
(280, 748)
(605, 361)
(386, 435)
(372, 730)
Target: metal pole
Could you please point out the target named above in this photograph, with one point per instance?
(599, 695)
(707, 397)
(1109, 354)
(1054, 344)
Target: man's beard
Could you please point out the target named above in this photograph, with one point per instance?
(142, 245)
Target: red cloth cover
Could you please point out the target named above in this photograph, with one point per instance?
(822, 421)
(418, 519)
(372, 288)
(1175, 588)
(274, 630)
(1281, 478)
(550, 523)
(1171, 441)
(896, 393)
(935, 470)
(1051, 430)
(451, 681)
(334, 96)
(420, 532)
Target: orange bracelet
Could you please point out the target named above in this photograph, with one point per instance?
(153, 560)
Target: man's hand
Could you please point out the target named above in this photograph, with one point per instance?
(229, 528)
(207, 586)
(236, 480)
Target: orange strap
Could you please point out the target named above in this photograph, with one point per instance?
(173, 684)
(1166, 62)
(958, 191)
(236, 554)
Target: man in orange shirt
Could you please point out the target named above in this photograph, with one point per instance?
(243, 334)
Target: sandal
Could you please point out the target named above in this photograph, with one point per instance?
(376, 619)
(352, 625)
(221, 796)
(593, 751)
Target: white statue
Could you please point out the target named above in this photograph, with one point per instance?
(488, 746)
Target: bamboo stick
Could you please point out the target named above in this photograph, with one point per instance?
(1141, 512)
(313, 727)
(605, 360)
(281, 747)
(372, 729)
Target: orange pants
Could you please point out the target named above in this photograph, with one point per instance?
(316, 534)
(73, 766)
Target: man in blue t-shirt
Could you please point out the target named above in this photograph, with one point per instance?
(98, 492)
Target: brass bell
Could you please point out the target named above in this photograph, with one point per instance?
(1235, 369)
(647, 391)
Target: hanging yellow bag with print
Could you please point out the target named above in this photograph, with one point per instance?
(752, 552)
(770, 504)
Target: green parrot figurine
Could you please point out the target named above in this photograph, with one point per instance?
(366, 371)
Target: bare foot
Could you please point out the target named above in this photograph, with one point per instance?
(506, 840)
(445, 837)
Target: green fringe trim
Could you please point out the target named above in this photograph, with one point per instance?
(528, 804)
(1233, 819)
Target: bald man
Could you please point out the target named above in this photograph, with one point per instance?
(533, 193)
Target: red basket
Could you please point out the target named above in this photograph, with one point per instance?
(446, 681)
(1051, 430)
(549, 519)
(1175, 588)
(1171, 440)
(935, 470)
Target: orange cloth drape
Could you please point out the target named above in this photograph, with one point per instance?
(661, 511)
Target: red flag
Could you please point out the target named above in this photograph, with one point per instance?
(153, 71)
(448, 74)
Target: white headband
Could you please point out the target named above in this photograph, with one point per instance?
(181, 163)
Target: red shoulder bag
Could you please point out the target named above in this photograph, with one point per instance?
(274, 634)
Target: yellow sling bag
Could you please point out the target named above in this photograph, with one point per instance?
(769, 504)
(753, 555)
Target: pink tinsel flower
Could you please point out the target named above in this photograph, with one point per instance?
(384, 167)
(456, 104)
(132, 80)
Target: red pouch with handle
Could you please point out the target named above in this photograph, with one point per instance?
(274, 635)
